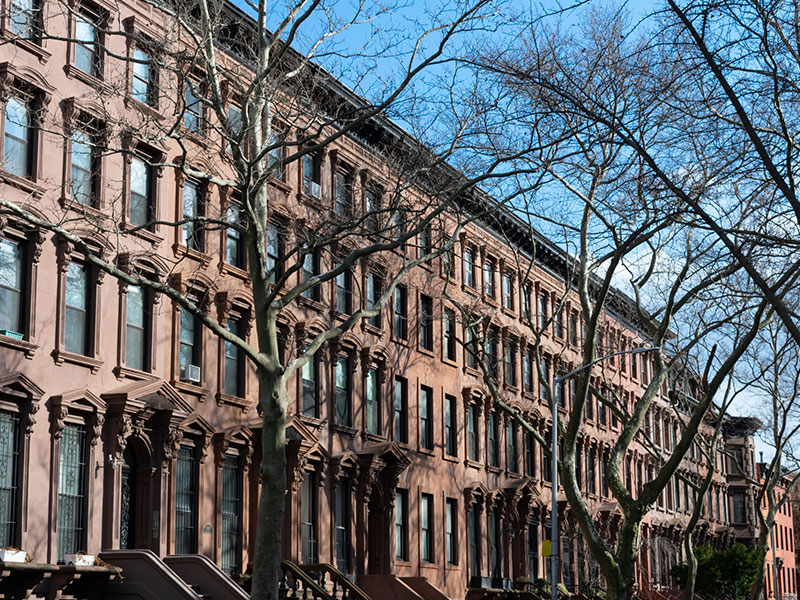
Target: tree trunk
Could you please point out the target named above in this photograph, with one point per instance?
(271, 503)
(691, 567)
(621, 582)
(757, 588)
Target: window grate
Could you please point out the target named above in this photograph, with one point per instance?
(231, 514)
(9, 459)
(186, 502)
(71, 491)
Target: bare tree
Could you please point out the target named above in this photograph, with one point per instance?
(235, 104)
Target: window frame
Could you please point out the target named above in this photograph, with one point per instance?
(426, 340)
(401, 409)
(29, 243)
(99, 16)
(400, 313)
(426, 425)
(94, 278)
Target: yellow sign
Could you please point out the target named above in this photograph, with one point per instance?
(547, 548)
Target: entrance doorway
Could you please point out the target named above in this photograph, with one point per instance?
(127, 515)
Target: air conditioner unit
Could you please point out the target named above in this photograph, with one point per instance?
(313, 189)
(190, 373)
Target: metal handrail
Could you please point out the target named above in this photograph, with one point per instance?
(350, 591)
(302, 576)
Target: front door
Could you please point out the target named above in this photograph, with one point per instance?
(127, 520)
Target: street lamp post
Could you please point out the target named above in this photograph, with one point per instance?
(555, 547)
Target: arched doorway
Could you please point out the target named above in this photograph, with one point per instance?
(127, 518)
(136, 496)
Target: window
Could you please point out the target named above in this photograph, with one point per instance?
(401, 409)
(603, 480)
(137, 330)
(308, 518)
(192, 230)
(471, 348)
(469, 266)
(633, 366)
(311, 269)
(234, 364)
(494, 440)
(529, 454)
(491, 353)
(186, 494)
(344, 192)
(573, 329)
(511, 363)
(545, 379)
(508, 290)
(141, 191)
(590, 471)
(488, 276)
(193, 106)
(25, 19)
(343, 387)
(344, 292)
(448, 263)
(601, 412)
(274, 252)
(543, 311)
(84, 168)
(234, 246)
(309, 392)
(547, 461)
(311, 172)
(12, 284)
(231, 514)
(513, 453)
(450, 425)
(372, 204)
(588, 409)
(275, 155)
(18, 140)
(449, 326)
(472, 431)
(87, 46)
(9, 478)
(373, 401)
(401, 525)
(426, 322)
(426, 528)
(495, 551)
(560, 390)
(342, 525)
(77, 306)
(374, 291)
(400, 313)
(526, 301)
(739, 510)
(530, 364)
(190, 336)
(474, 531)
(426, 241)
(559, 323)
(71, 491)
(426, 417)
(450, 533)
(143, 84)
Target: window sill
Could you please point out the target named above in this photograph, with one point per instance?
(25, 346)
(146, 235)
(190, 388)
(469, 290)
(121, 371)
(426, 352)
(496, 470)
(310, 200)
(82, 209)
(350, 432)
(237, 401)
(473, 464)
(373, 437)
(182, 251)
(338, 315)
(513, 475)
(280, 184)
(450, 458)
(450, 362)
(316, 305)
(198, 137)
(234, 271)
(426, 451)
(367, 328)
(400, 341)
(314, 422)
(511, 387)
(62, 356)
(74, 72)
(490, 301)
(147, 109)
(471, 371)
(28, 45)
(26, 185)
(509, 312)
